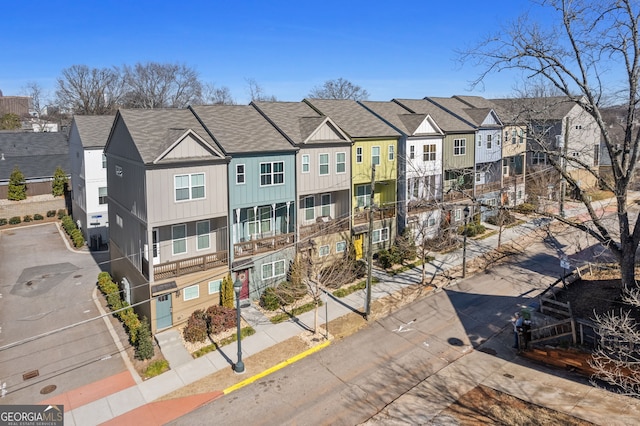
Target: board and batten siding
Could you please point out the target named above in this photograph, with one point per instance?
(451, 161)
(483, 153)
(163, 207)
(312, 182)
(250, 193)
(386, 170)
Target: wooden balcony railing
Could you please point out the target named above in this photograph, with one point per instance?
(486, 188)
(263, 245)
(188, 266)
(362, 216)
(322, 227)
(419, 206)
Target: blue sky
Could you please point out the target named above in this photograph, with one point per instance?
(404, 49)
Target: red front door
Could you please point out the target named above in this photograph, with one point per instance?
(243, 276)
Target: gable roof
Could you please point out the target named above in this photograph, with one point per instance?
(154, 131)
(449, 123)
(241, 129)
(541, 108)
(476, 116)
(354, 119)
(93, 129)
(37, 155)
(398, 116)
(299, 122)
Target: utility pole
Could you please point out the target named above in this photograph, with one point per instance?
(367, 308)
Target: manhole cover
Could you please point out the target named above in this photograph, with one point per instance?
(48, 389)
(454, 341)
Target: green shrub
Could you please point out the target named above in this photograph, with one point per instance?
(15, 220)
(269, 300)
(131, 323)
(196, 328)
(525, 208)
(62, 213)
(289, 292)
(3, 221)
(51, 213)
(27, 218)
(38, 216)
(144, 346)
(156, 368)
(226, 292)
(385, 259)
(220, 318)
(114, 301)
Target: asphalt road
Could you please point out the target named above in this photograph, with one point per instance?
(353, 380)
(45, 287)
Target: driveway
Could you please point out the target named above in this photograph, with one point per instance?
(49, 335)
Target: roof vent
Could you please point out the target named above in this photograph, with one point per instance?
(2, 156)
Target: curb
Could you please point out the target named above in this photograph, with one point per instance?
(276, 367)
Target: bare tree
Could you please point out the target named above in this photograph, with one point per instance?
(89, 91)
(157, 85)
(339, 89)
(212, 94)
(582, 50)
(256, 92)
(39, 99)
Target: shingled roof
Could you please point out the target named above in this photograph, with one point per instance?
(93, 129)
(542, 109)
(446, 121)
(353, 118)
(241, 129)
(37, 155)
(398, 116)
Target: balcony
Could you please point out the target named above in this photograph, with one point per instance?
(457, 194)
(362, 217)
(323, 226)
(486, 188)
(420, 206)
(188, 266)
(263, 245)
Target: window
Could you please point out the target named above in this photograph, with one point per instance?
(323, 251)
(460, 146)
(520, 136)
(202, 231)
(309, 209)
(179, 237)
(190, 293)
(505, 167)
(498, 136)
(214, 286)
(596, 155)
(273, 269)
(261, 223)
(189, 187)
(491, 201)
(414, 186)
(380, 235)
(324, 164)
(431, 222)
(514, 134)
(272, 173)
(412, 152)
(102, 195)
(341, 162)
(240, 174)
(479, 140)
(119, 221)
(375, 155)
(341, 246)
(429, 152)
(538, 158)
(104, 161)
(325, 205)
(306, 167)
(489, 141)
(478, 177)
(363, 195)
(359, 154)
(457, 214)
(392, 152)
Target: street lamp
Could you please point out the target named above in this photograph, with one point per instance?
(464, 243)
(239, 367)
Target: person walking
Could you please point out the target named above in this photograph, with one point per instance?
(518, 322)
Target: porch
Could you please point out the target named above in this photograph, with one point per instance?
(324, 226)
(263, 245)
(362, 217)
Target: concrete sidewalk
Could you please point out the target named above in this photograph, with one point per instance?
(136, 403)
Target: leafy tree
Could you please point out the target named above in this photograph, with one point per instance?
(17, 186)
(339, 89)
(89, 91)
(60, 181)
(10, 121)
(226, 292)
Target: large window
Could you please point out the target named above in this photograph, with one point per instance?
(375, 155)
(305, 163)
(363, 195)
(359, 154)
(240, 174)
(341, 162)
(460, 146)
(189, 187)
(325, 205)
(261, 223)
(309, 208)
(190, 293)
(202, 231)
(273, 269)
(324, 164)
(380, 235)
(102, 195)
(272, 173)
(429, 152)
(179, 237)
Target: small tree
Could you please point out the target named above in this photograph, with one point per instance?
(59, 183)
(10, 122)
(17, 186)
(226, 292)
(144, 344)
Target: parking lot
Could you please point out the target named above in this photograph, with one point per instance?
(50, 339)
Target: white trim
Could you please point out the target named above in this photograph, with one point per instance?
(174, 240)
(320, 164)
(198, 235)
(341, 162)
(307, 163)
(190, 288)
(243, 174)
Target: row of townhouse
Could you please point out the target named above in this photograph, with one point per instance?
(197, 193)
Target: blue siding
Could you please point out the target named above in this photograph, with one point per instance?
(251, 193)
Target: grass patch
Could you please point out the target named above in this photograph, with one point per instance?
(277, 319)
(245, 332)
(342, 292)
(486, 235)
(411, 265)
(516, 223)
(156, 368)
